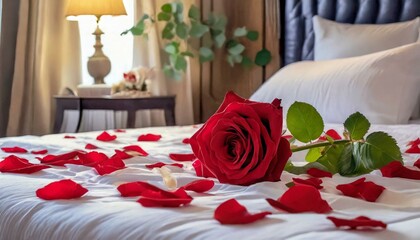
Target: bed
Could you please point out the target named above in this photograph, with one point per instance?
(103, 214)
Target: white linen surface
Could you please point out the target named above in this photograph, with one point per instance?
(103, 214)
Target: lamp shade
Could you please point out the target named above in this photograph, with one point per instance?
(95, 7)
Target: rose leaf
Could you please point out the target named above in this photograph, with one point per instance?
(357, 125)
(330, 157)
(313, 154)
(304, 122)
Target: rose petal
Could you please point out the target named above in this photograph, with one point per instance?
(64, 189)
(414, 142)
(417, 163)
(318, 173)
(92, 158)
(413, 149)
(396, 169)
(14, 150)
(13, 164)
(109, 166)
(199, 186)
(149, 137)
(186, 141)
(182, 157)
(69, 137)
(137, 149)
(134, 189)
(90, 146)
(288, 137)
(359, 222)
(122, 155)
(61, 159)
(40, 152)
(314, 182)
(161, 164)
(200, 170)
(106, 137)
(163, 198)
(368, 191)
(301, 198)
(231, 212)
(120, 130)
(332, 133)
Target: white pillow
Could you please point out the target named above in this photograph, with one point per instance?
(383, 86)
(339, 40)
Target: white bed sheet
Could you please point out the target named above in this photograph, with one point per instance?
(103, 214)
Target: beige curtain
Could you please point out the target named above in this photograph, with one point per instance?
(147, 52)
(47, 60)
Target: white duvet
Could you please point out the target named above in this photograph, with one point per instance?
(103, 214)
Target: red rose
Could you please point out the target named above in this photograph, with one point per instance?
(242, 142)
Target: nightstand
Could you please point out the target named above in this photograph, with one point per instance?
(129, 104)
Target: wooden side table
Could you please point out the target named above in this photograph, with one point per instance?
(131, 105)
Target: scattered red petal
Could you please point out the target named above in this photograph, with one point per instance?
(414, 142)
(40, 152)
(182, 157)
(201, 170)
(301, 198)
(396, 169)
(122, 155)
(356, 223)
(231, 212)
(14, 150)
(90, 146)
(13, 164)
(64, 189)
(288, 137)
(149, 137)
(186, 141)
(137, 149)
(368, 191)
(318, 173)
(413, 149)
(163, 198)
(120, 130)
(60, 160)
(332, 133)
(109, 166)
(161, 164)
(106, 137)
(417, 163)
(314, 182)
(69, 137)
(134, 189)
(199, 186)
(92, 158)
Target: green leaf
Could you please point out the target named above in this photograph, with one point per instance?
(166, 8)
(252, 35)
(171, 72)
(198, 30)
(229, 59)
(297, 170)
(290, 184)
(182, 30)
(240, 32)
(247, 62)
(167, 31)
(187, 54)
(180, 63)
(194, 13)
(357, 125)
(236, 49)
(304, 122)
(172, 48)
(206, 54)
(263, 57)
(313, 154)
(217, 22)
(162, 16)
(219, 39)
(330, 157)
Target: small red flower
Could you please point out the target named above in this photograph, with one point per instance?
(14, 150)
(314, 182)
(163, 198)
(318, 173)
(368, 191)
(231, 212)
(13, 164)
(106, 137)
(90, 146)
(161, 164)
(396, 169)
(40, 152)
(332, 133)
(356, 223)
(199, 186)
(182, 157)
(109, 166)
(186, 141)
(69, 137)
(64, 189)
(137, 149)
(149, 137)
(301, 198)
(201, 170)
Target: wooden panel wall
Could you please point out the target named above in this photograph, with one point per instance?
(218, 77)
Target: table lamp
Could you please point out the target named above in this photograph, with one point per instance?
(98, 64)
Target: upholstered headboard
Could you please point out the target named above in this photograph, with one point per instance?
(297, 38)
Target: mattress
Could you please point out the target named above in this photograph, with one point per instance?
(103, 214)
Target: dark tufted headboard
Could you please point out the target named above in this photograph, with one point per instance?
(297, 38)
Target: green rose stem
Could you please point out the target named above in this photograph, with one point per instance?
(320, 144)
